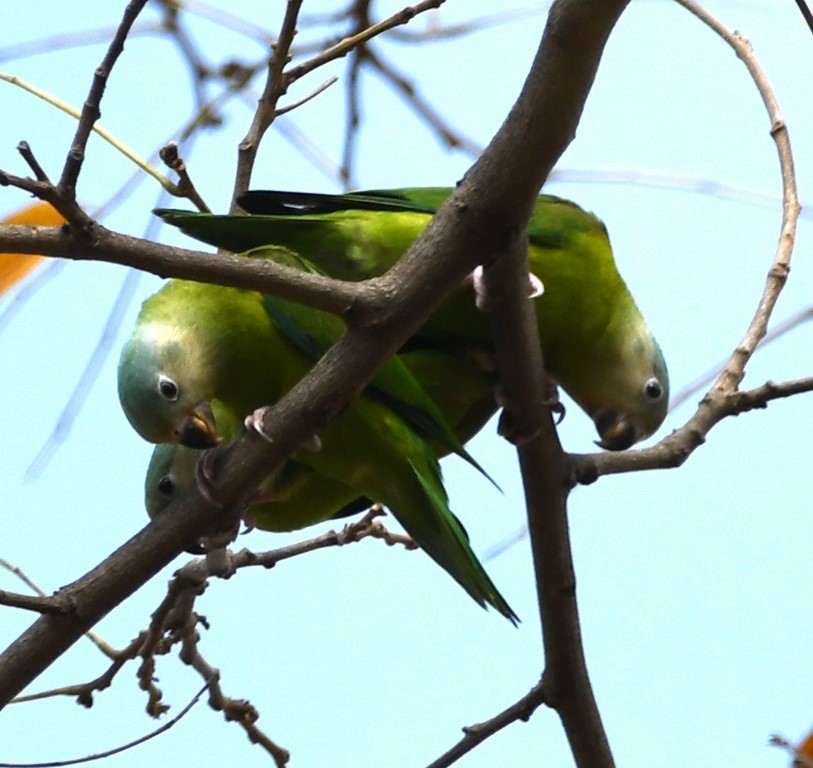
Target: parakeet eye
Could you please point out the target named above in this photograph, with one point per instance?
(168, 388)
(653, 389)
(166, 485)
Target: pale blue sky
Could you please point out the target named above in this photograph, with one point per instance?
(694, 584)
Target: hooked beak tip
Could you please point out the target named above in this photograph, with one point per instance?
(199, 429)
(617, 430)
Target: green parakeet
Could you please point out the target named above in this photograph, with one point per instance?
(196, 346)
(296, 496)
(596, 343)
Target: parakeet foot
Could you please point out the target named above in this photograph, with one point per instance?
(203, 477)
(518, 434)
(254, 421)
(204, 470)
(481, 299)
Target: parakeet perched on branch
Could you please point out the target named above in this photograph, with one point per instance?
(296, 496)
(197, 349)
(596, 343)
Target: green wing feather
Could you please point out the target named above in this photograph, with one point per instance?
(314, 332)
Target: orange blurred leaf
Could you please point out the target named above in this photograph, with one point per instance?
(15, 266)
(805, 750)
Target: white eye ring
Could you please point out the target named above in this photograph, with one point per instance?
(167, 388)
(653, 389)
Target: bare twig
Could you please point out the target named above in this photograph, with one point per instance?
(675, 449)
(168, 261)
(476, 734)
(103, 646)
(171, 156)
(29, 603)
(275, 86)
(439, 32)
(83, 692)
(305, 99)
(91, 109)
(88, 377)
(695, 386)
(74, 39)
(116, 750)
(808, 16)
(348, 44)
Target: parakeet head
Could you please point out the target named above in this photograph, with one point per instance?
(636, 400)
(163, 388)
(171, 471)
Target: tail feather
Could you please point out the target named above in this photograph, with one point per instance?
(448, 545)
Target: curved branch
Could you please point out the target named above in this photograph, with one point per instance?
(724, 399)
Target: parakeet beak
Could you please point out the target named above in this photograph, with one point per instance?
(617, 430)
(199, 429)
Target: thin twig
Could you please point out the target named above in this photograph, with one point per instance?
(83, 692)
(474, 735)
(171, 156)
(668, 179)
(92, 107)
(116, 750)
(693, 387)
(808, 16)
(258, 274)
(29, 603)
(345, 46)
(777, 276)
(275, 86)
(102, 645)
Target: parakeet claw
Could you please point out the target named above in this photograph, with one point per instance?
(254, 421)
(203, 476)
(535, 288)
(559, 409)
(552, 400)
(517, 434)
(249, 521)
